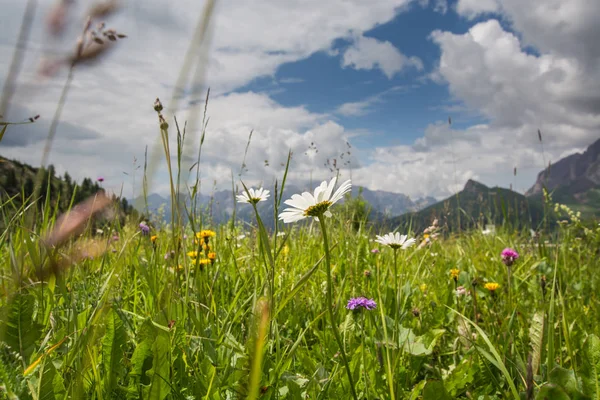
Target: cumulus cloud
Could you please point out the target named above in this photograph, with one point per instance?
(108, 118)
(474, 8)
(488, 70)
(113, 99)
(370, 53)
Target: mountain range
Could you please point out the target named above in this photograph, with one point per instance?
(573, 180)
(219, 206)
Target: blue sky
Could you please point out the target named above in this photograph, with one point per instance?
(383, 77)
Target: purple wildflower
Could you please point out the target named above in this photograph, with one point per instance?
(144, 228)
(100, 179)
(375, 251)
(509, 256)
(356, 302)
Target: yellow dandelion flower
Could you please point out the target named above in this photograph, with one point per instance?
(153, 238)
(212, 256)
(205, 261)
(192, 254)
(454, 273)
(206, 234)
(491, 286)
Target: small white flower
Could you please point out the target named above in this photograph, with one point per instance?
(309, 205)
(255, 196)
(396, 241)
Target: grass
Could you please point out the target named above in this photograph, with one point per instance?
(144, 320)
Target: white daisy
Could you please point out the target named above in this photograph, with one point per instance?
(395, 241)
(255, 196)
(308, 205)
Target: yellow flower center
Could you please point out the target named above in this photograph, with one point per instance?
(318, 209)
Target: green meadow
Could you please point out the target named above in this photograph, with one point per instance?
(105, 308)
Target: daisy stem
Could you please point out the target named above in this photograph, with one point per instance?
(334, 326)
(396, 283)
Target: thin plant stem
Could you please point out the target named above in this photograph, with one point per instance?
(388, 365)
(397, 285)
(334, 327)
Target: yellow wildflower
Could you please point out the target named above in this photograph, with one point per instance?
(206, 234)
(153, 238)
(212, 256)
(192, 254)
(454, 273)
(423, 287)
(491, 286)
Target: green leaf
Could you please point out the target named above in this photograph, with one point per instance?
(423, 345)
(20, 331)
(159, 374)
(112, 354)
(435, 390)
(141, 360)
(50, 385)
(551, 391)
(591, 367)
(499, 362)
(461, 378)
(564, 378)
(536, 338)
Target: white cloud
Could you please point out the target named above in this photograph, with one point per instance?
(364, 107)
(440, 6)
(370, 53)
(113, 99)
(487, 69)
(474, 8)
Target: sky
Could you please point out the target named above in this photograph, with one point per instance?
(407, 96)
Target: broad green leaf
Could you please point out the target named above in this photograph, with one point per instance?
(591, 367)
(112, 353)
(536, 338)
(50, 384)
(564, 378)
(20, 331)
(159, 374)
(435, 390)
(551, 391)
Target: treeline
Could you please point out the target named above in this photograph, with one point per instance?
(18, 180)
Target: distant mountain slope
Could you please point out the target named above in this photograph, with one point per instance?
(219, 206)
(573, 180)
(476, 205)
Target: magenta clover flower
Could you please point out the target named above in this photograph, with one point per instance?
(356, 303)
(509, 256)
